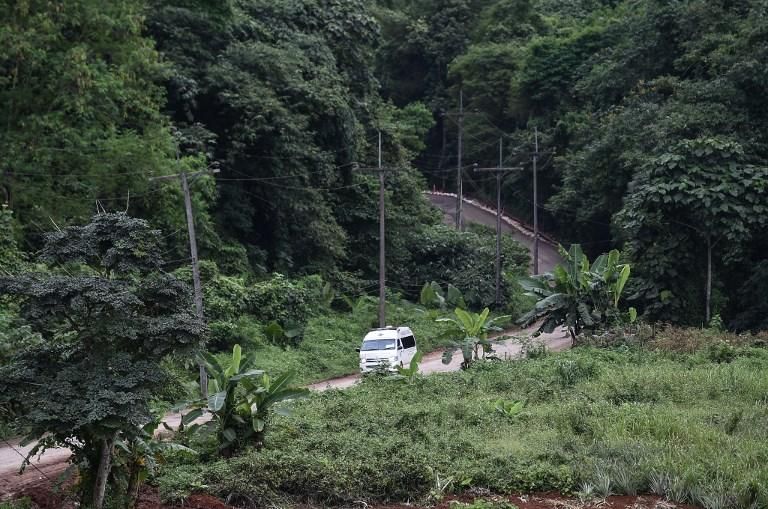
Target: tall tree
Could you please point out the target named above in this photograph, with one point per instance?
(107, 315)
(701, 197)
(80, 108)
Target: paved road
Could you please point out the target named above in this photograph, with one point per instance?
(433, 362)
(548, 255)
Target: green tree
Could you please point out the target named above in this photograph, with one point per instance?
(80, 102)
(701, 187)
(107, 315)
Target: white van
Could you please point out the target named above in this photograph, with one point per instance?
(390, 347)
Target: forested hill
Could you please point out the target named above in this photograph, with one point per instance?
(651, 115)
(657, 113)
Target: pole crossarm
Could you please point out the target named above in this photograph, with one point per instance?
(175, 176)
(500, 170)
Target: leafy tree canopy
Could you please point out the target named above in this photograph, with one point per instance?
(106, 315)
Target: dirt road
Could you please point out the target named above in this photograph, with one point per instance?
(54, 462)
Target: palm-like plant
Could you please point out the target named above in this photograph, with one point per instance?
(139, 457)
(470, 332)
(262, 395)
(240, 399)
(577, 294)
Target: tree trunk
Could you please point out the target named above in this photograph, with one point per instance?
(102, 474)
(709, 279)
(133, 485)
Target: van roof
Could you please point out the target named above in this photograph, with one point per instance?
(387, 333)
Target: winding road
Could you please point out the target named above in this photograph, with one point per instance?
(46, 468)
(478, 213)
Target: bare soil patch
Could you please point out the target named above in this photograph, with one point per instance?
(46, 498)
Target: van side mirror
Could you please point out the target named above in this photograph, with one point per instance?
(357, 350)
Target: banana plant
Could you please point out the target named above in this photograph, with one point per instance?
(433, 297)
(240, 399)
(139, 457)
(262, 395)
(411, 372)
(576, 294)
(509, 409)
(470, 332)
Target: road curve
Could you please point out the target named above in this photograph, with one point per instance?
(477, 213)
(433, 361)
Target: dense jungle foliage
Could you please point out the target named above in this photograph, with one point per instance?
(651, 116)
(651, 119)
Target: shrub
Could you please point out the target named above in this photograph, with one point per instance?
(224, 297)
(285, 301)
(619, 421)
(462, 259)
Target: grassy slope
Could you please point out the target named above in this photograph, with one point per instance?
(631, 419)
(328, 347)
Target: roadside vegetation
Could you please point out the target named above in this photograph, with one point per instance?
(628, 418)
(649, 120)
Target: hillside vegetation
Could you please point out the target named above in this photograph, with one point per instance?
(648, 124)
(634, 419)
(651, 118)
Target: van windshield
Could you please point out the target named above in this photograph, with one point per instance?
(378, 344)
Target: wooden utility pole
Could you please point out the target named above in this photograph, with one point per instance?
(535, 203)
(381, 171)
(459, 169)
(535, 155)
(500, 171)
(198, 289)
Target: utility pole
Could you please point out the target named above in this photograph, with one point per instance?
(381, 170)
(535, 203)
(535, 155)
(459, 169)
(500, 171)
(198, 289)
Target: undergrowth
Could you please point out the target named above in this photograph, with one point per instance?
(689, 426)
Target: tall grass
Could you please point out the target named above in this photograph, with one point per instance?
(634, 421)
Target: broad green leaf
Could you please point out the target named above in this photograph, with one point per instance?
(192, 416)
(619, 288)
(216, 401)
(465, 319)
(598, 266)
(229, 434)
(234, 367)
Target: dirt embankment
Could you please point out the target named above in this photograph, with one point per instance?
(149, 499)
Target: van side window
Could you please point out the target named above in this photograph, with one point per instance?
(409, 342)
